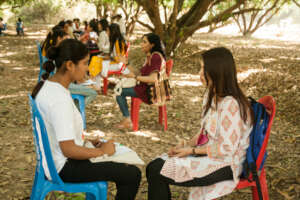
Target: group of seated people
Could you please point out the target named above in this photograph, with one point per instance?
(212, 169)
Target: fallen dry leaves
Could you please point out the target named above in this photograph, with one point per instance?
(270, 67)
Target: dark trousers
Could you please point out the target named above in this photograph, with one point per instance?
(126, 177)
(158, 185)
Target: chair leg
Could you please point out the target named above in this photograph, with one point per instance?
(162, 118)
(160, 115)
(105, 84)
(135, 109)
(254, 193)
(103, 191)
(264, 185)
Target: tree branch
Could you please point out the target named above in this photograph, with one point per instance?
(297, 4)
(195, 13)
(146, 25)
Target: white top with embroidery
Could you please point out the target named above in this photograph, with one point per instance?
(228, 141)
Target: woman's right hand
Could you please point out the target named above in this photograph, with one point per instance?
(108, 147)
(172, 150)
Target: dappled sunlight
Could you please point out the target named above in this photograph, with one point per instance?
(186, 79)
(108, 115)
(185, 76)
(267, 60)
(146, 133)
(289, 58)
(20, 94)
(5, 61)
(106, 104)
(187, 83)
(195, 99)
(19, 68)
(7, 54)
(245, 74)
(42, 37)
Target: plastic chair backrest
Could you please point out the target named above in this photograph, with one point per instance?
(40, 54)
(80, 99)
(169, 66)
(270, 105)
(127, 50)
(41, 137)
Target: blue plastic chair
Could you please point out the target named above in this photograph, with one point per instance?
(42, 60)
(42, 186)
(80, 99)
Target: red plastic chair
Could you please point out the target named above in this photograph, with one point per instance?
(118, 72)
(136, 102)
(269, 103)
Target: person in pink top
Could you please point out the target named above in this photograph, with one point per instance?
(151, 46)
(211, 162)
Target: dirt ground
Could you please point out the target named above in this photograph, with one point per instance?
(266, 67)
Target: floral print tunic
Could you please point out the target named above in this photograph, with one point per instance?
(228, 141)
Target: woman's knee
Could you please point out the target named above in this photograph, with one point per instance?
(154, 168)
(134, 174)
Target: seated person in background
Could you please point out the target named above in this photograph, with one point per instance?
(20, 27)
(115, 59)
(64, 26)
(212, 168)
(1, 25)
(103, 40)
(85, 23)
(120, 21)
(155, 56)
(76, 26)
(53, 39)
(90, 38)
(70, 28)
(64, 125)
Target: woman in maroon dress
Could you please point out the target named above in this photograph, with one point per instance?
(151, 46)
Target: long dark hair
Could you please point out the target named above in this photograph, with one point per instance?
(115, 35)
(69, 49)
(157, 44)
(94, 25)
(220, 69)
(52, 36)
(104, 24)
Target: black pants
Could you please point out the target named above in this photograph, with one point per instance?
(158, 185)
(127, 177)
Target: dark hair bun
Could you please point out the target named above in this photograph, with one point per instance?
(52, 53)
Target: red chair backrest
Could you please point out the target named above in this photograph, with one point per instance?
(169, 66)
(270, 105)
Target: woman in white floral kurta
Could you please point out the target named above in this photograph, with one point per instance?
(211, 169)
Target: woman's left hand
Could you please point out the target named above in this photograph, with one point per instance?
(182, 152)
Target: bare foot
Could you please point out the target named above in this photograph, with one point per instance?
(125, 124)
